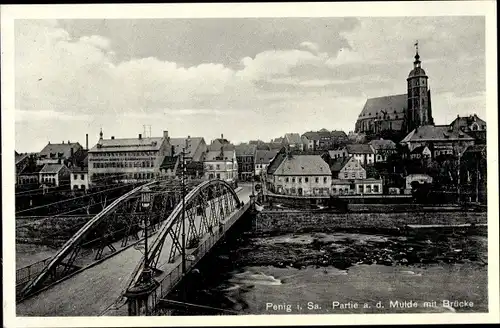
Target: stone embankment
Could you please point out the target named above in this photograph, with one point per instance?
(275, 222)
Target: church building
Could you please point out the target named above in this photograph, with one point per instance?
(401, 113)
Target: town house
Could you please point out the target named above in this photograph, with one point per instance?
(361, 152)
(221, 164)
(349, 177)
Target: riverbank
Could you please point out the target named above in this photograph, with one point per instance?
(281, 222)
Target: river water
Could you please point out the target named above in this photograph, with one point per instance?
(342, 272)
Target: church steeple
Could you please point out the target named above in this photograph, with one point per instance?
(100, 135)
(419, 110)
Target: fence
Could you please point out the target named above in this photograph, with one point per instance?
(24, 275)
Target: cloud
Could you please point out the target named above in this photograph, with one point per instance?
(97, 41)
(313, 47)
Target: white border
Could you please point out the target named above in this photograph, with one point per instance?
(110, 11)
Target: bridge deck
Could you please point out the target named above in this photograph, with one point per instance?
(95, 291)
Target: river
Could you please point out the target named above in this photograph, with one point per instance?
(341, 272)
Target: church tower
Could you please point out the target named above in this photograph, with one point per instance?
(419, 97)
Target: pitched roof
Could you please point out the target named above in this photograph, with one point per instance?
(20, 157)
(265, 156)
(467, 120)
(389, 104)
(215, 155)
(128, 144)
(275, 163)
(63, 148)
(382, 144)
(359, 149)
(245, 150)
(434, 133)
(293, 138)
(339, 163)
(169, 162)
(303, 165)
(51, 168)
(418, 150)
(192, 145)
(338, 134)
(475, 149)
(318, 135)
(32, 169)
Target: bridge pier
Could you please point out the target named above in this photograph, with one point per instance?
(138, 297)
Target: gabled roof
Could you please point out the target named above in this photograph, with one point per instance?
(436, 133)
(390, 104)
(32, 169)
(245, 150)
(467, 121)
(128, 144)
(275, 163)
(20, 157)
(293, 138)
(359, 149)
(339, 163)
(51, 168)
(338, 134)
(215, 155)
(303, 165)
(63, 149)
(418, 150)
(382, 144)
(265, 156)
(192, 145)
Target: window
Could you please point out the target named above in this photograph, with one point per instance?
(82, 176)
(75, 187)
(353, 175)
(300, 180)
(218, 167)
(334, 190)
(293, 180)
(368, 188)
(306, 179)
(317, 180)
(75, 176)
(325, 179)
(287, 179)
(218, 175)
(346, 175)
(375, 188)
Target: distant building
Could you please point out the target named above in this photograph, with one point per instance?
(30, 175)
(362, 152)
(293, 141)
(63, 153)
(440, 139)
(127, 160)
(421, 152)
(54, 175)
(170, 166)
(324, 139)
(22, 161)
(349, 177)
(301, 175)
(245, 155)
(383, 149)
(221, 164)
(195, 148)
(262, 160)
(473, 126)
(220, 142)
(338, 153)
(356, 137)
(416, 178)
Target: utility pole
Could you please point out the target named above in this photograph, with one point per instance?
(183, 184)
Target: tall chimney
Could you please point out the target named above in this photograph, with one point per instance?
(140, 136)
(87, 141)
(165, 134)
(221, 136)
(172, 149)
(113, 137)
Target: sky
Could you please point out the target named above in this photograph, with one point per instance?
(246, 78)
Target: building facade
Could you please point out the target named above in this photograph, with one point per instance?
(349, 177)
(383, 149)
(54, 175)
(302, 175)
(194, 148)
(221, 164)
(361, 152)
(245, 156)
(127, 160)
(262, 160)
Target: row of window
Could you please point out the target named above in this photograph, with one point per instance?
(130, 175)
(353, 175)
(102, 165)
(82, 187)
(218, 167)
(300, 191)
(229, 175)
(125, 154)
(306, 179)
(75, 176)
(367, 189)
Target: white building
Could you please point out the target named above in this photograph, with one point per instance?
(302, 175)
(363, 153)
(79, 179)
(262, 160)
(221, 164)
(54, 175)
(350, 178)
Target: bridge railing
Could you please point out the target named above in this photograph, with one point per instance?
(25, 274)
